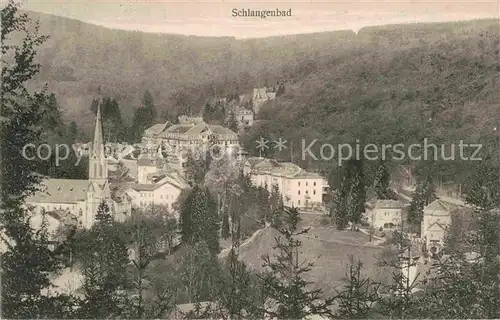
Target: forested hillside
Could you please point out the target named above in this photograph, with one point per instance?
(181, 72)
(440, 82)
(388, 84)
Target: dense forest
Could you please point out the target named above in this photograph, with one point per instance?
(393, 72)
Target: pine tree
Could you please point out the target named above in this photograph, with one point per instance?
(349, 200)
(381, 182)
(148, 104)
(199, 220)
(28, 263)
(276, 207)
(285, 288)
(141, 305)
(424, 194)
(400, 303)
(339, 209)
(237, 294)
(104, 269)
(357, 194)
(200, 272)
(73, 131)
(359, 295)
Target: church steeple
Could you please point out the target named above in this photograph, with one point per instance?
(98, 169)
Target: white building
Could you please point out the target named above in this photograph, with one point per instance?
(190, 132)
(386, 214)
(82, 197)
(160, 189)
(436, 219)
(298, 187)
(191, 135)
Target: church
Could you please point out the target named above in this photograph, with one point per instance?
(81, 198)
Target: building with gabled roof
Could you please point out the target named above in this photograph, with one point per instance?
(386, 214)
(298, 187)
(191, 135)
(162, 188)
(436, 219)
(191, 131)
(79, 197)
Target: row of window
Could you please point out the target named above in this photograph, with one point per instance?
(314, 183)
(298, 191)
(275, 181)
(163, 196)
(307, 192)
(183, 142)
(55, 207)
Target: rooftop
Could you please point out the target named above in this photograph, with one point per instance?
(439, 207)
(61, 191)
(388, 204)
(284, 169)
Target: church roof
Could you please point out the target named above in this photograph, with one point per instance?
(61, 191)
(98, 144)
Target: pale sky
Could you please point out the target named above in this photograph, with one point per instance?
(213, 18)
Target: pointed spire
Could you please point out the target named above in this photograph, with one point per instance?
(97, 145)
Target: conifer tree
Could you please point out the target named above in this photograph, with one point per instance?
(199, 220)
(104, 269)
(349, 200)
(237, 296)
(276, 207)
(381, 182)
(285, 289)
(28, 263)
(357, 194)
(200, 272)
(424, 194)
(339, 209)
(359, 294)
(400, 303)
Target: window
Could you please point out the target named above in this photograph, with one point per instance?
(298, 202)
(307, 191)
(299, 183)
(314, 184)
(306, 184)
(314, 191)
(299, 192)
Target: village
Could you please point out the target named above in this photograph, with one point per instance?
(161, 161)
(153, 174)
